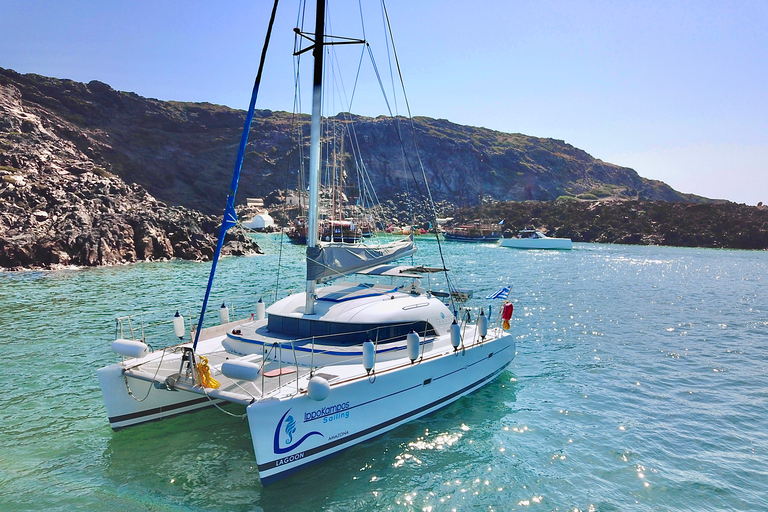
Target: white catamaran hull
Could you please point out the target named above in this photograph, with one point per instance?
(289, 434)
(124, 410)
(289, 429)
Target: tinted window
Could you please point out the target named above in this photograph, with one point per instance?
(344, 333)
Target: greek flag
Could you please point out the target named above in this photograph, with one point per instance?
(500, 294)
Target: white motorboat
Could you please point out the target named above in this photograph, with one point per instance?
(320, 370)
(535, 239)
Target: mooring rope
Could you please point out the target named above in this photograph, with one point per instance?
(151, 385)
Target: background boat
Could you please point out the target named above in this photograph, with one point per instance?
(475, 231)
(535, 239)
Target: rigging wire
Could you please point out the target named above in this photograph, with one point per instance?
(400, 130)
(296, 139)
(397, 114)
(421, 164)
(366, 191)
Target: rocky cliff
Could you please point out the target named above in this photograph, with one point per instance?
(183, 153)
(94, 176)
(60, 206)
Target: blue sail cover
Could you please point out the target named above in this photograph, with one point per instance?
(331, 261)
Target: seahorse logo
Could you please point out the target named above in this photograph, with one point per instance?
(290, 429)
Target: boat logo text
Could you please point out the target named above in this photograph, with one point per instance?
(330, 413)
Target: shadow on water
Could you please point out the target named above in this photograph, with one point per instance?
(194, 459)
(205, 460)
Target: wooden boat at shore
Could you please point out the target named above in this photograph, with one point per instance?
(476, 231)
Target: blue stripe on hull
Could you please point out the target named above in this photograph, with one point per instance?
(308, 348)
(167, 411)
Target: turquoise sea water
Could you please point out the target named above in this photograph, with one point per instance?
(640, 383)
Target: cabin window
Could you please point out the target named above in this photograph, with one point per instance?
(335, 332)
(291, 325)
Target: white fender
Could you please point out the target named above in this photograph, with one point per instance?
(260, 310)
(455, 334)
(223, 314)
(482, 324)
(318, 389)
(178, 325)
(412, 341)
(368, 355)
(130, 348)
(241, 370)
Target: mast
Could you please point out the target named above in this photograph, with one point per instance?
(314, 151)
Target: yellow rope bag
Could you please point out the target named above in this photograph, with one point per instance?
(204, 371)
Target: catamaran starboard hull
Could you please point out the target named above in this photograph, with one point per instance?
(301, 431)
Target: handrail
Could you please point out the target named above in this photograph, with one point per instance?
(157, 324)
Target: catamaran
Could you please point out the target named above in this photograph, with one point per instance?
(323, 369)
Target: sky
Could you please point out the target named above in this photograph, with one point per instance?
(677, 90)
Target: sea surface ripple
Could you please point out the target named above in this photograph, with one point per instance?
(640, 383)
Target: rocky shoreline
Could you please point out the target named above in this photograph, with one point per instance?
(52, 220)
(63, 204)
(722, 225)
(59, 208)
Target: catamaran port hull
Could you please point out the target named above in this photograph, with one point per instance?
(146, 404)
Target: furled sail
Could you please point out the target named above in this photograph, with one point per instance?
(330, 261)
